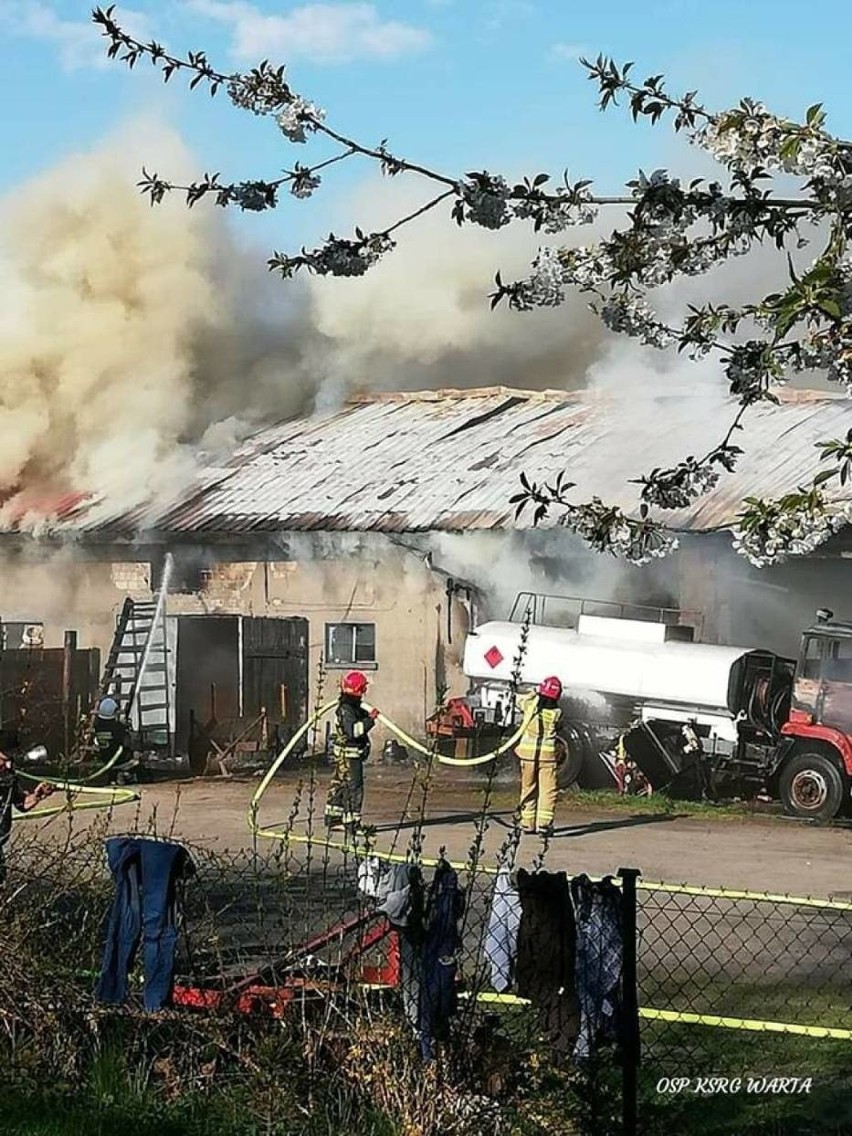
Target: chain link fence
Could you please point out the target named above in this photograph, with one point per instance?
(731, 985)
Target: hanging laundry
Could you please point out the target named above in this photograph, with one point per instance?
(399, 894)
(370, 872)
(146, 874)
(544, 967)
(439, 959)
(398, 890)
(600, 957)
(501, 938)
(429, 940)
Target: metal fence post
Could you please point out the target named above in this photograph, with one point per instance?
(630, 1042)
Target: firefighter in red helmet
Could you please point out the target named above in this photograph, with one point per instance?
(537, 753)
(350, 749)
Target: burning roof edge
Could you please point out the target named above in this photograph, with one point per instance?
(298, 475)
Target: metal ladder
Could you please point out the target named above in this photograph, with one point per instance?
(136, 671)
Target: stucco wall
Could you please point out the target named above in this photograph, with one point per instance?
(404, 599)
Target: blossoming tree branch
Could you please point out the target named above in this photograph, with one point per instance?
(668, 231)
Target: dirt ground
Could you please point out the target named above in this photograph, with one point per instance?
(756, 853)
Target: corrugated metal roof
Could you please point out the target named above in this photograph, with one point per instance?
(450, 460)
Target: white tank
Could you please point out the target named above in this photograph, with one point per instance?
(644, 667)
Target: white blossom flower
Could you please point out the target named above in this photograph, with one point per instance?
(796, 533)
(554, 216)
(350, 258)
(545, 286)
(299, 118)
(630, 315)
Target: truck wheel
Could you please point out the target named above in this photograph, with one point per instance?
(811, 785)
(569, 768)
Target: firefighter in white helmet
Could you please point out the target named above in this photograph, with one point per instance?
(537, 753)
(111, 735)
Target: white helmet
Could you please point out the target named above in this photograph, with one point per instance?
(107, 708)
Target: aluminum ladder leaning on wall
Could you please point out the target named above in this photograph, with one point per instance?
(136, 671)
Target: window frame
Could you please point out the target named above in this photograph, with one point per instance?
(354, 664)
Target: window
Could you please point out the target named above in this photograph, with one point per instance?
(828, 659)
(813, 657)
(350, 644)
(838, 666)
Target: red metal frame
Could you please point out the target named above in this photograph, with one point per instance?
(795, 727)
(252, 996)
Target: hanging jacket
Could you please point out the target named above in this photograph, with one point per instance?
(501, 938)
(352, 724)
(541, 717)
(399, 892)
(545, 960)
(600, 956)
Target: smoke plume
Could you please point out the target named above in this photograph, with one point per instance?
(127, 333)
(138, 345)
(420, 319)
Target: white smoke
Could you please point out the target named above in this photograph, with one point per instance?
(127, 333)
(420, 319)
(137, 345)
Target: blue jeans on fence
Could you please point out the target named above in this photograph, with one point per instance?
(146, 873)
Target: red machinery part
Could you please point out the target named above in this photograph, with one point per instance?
(252, 996)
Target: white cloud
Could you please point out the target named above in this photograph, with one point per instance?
(322, 33)
(78, 42)
(569, 51)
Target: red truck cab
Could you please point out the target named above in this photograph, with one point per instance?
(816, 773)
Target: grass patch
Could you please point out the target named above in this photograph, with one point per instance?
(700, 1051)
(826, 1006)
(662, 803)
(123, 1105)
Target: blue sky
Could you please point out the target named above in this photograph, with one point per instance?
(461, 84)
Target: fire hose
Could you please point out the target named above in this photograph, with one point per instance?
(393, 727)
(107, 795)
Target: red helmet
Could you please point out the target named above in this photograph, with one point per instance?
(354, 683)
(551, 687)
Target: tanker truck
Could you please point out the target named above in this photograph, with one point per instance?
(690, 716)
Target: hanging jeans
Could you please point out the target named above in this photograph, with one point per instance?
(146, 873)
(501, 938)
(438, 959)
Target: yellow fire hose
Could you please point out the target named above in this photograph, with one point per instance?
(105, 797)
(389, 724)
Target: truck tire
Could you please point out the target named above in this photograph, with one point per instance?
(811, 785)
(568, 770)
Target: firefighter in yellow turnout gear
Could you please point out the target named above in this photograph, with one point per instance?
(350, 749)
(537, 754)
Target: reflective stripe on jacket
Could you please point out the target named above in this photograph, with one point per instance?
(540, 728)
